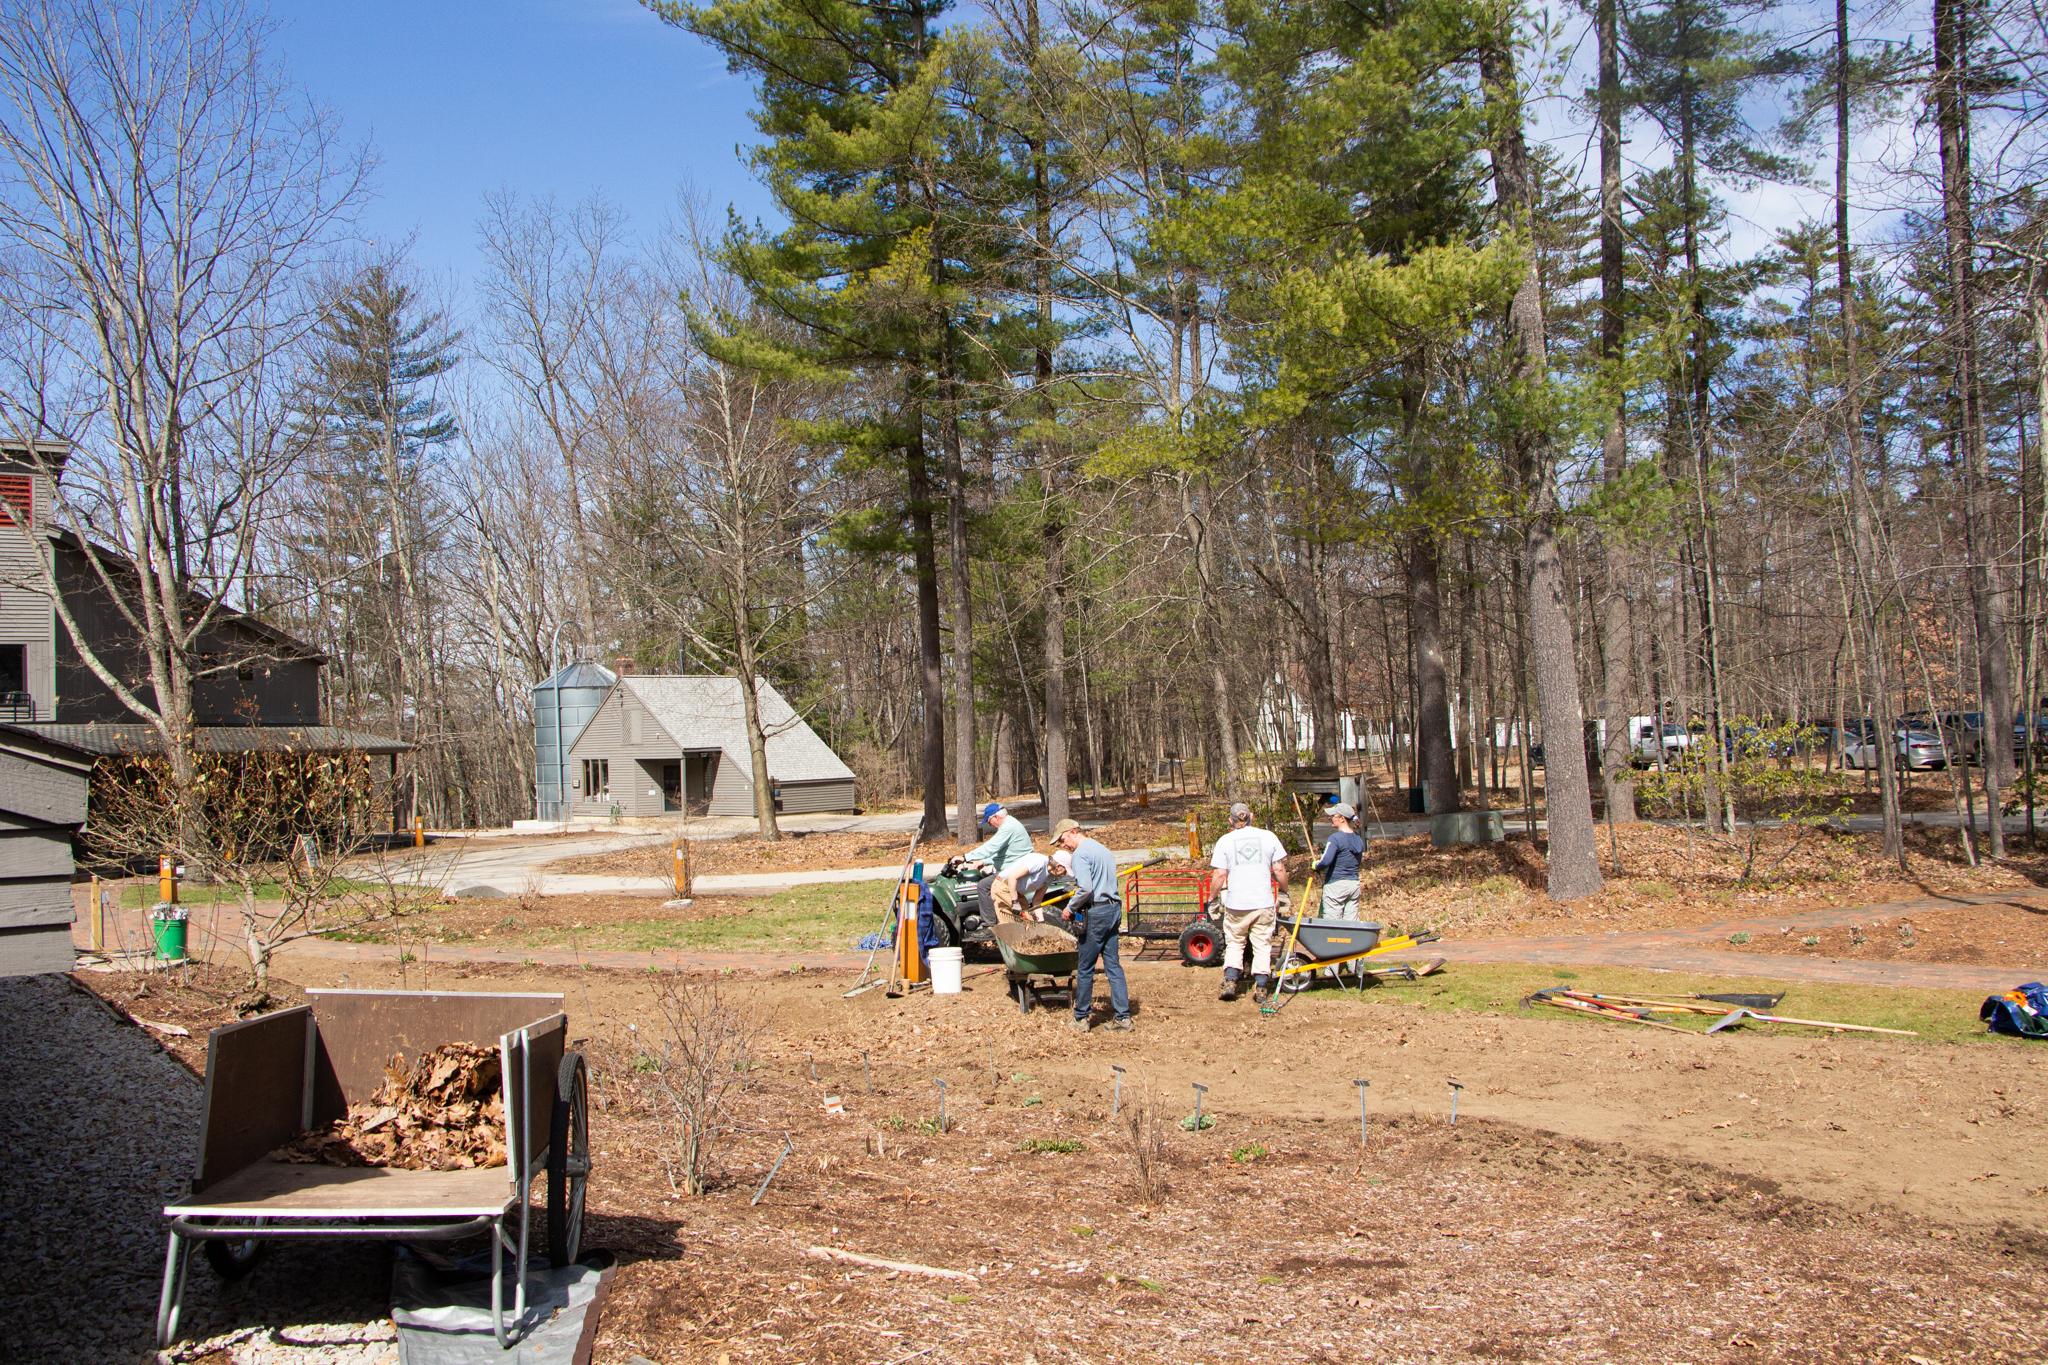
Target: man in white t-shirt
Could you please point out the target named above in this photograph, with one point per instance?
(1024, 882)
(1254, 867)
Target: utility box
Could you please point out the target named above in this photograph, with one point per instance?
(1467, 827)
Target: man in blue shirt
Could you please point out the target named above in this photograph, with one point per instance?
(1096, 914)
(1338, 867)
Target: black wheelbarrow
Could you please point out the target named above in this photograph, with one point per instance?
(1333, 948)
(1036, 976)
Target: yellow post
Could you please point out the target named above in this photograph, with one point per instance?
(419, 832)
(1144, 795)
(166, 880)
(683, 878)
(1194, 837)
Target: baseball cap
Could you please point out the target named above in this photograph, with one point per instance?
(1240, 811)
(1063, 826)
(1344, 809)
(1062, 859)
(991, 811)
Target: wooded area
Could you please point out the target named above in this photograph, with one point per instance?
(1115, 383)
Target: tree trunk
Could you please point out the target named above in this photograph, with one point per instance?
(964, 821)
(930, 649)
(1617, 614)
(1987, 590)
(1574, 856)
(750, 704)
(1201, 528)
(1862, 534)
(1438, 762)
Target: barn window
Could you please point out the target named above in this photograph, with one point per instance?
(597, 777)
(17, 500)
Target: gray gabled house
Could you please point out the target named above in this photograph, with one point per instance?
(673, 745)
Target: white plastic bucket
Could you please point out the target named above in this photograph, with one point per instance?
(945, 965)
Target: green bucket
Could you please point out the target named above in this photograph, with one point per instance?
(167, 927)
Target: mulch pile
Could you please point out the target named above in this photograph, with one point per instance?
(1044, 943)
(445, 1113)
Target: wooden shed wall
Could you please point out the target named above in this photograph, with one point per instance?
(42, 803)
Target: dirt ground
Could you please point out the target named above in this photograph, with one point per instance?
(1606, 1194)
(1974, 933)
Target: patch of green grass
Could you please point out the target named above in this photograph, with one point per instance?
(1272, 1279)
(142, 895)
(1656, 891)
(800, 919)
(1738, 938)
(1062, 1146)
(1082, 1230)
(959, 1298)
(1937, 1015)
(1033, 1101)
(1248, 1153)
(1500, 886)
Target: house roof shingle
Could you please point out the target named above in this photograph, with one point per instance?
(103, 741)
(709, 713)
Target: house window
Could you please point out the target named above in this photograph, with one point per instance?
(597, 777)
(17, 500)
(15, 702)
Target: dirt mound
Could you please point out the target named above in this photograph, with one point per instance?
(445, 1113)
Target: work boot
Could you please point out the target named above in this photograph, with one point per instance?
(1262, 989)
(1078, 1025)
(1229, 991)
(1123, 1025)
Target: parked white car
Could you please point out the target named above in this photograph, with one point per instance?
(1673, 744)
(1913, 748)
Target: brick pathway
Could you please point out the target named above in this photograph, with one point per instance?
(1703, 949)
(1700, 950)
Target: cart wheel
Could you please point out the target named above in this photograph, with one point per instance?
(232, 1260)
(568, 1161)
(1200, 946)
(1294, 982)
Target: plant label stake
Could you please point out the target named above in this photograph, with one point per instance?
(867, 1078)
(1456, 1086)
(1362, 1085)
(940, 1082)
(1116, 1094)
(812, 1062)
(1200, 1090)
(788, 1146)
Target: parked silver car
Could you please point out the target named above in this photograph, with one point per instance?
(1672, 747)
(1913, 748)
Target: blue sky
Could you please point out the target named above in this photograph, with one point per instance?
(561, 97)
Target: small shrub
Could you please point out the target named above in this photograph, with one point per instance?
(1738, 938)
(700, 1054)
(1810, 941)
(1142, 1139)
(1194, 1123)
(1062, 1146)
(1248, 1153)
(1033, 1101)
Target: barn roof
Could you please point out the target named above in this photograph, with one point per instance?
(709, 713)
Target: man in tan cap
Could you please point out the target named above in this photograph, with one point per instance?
(1096, 915)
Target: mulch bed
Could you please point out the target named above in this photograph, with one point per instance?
(2013, 935)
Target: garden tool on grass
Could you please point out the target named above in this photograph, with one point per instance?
(1740, 1017)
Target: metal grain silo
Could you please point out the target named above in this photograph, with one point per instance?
(562, 706)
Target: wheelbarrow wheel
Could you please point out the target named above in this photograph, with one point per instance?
(1201, 945)
(1294, 982)
(568, 1161)
(232, 1260)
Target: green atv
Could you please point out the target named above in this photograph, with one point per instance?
(966, 916)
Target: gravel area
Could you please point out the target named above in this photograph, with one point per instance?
(97, 1125)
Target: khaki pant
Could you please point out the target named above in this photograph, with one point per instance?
(1002, 895)
(1256, 925)
(1340, 900)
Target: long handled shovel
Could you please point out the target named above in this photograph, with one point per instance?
(1278, 999)
(1740, 1017)
(889, 918)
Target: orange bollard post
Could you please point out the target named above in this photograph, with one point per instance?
(1144, 795)
(419, 832)
(166, 881)
(683, 878)
(1194, 837)
(912, 965)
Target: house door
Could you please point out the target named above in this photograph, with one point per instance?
(697, 774)
(671, 786)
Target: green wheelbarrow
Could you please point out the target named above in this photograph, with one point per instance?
(1036, 958)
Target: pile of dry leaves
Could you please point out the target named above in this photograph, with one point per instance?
(444, 1113)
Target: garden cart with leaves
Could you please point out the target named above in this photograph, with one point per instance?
(271, 1079)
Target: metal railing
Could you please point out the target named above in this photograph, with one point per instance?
(17, 706)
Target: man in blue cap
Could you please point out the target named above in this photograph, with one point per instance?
(1007, 844)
